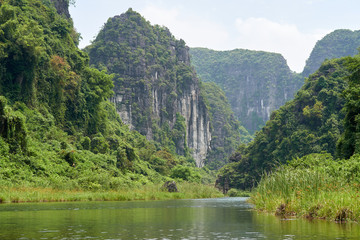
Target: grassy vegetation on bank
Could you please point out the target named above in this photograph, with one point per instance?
(238, 193)
(314, 186)
(146, 192)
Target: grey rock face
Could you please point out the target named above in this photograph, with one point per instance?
(156, 90)
(190, 106)
(170, 186)
(62, 7)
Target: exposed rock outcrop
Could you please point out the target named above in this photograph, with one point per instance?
(170, 186)
(62, 7)
(156, 90)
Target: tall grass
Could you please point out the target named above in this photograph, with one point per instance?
(146, 192)
(312, 193)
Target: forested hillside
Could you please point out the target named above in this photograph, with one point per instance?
(337, 44)
(255, 82)
(226, 131)
(57, 127)
(311, 123)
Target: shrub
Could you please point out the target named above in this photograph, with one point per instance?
(185, 173)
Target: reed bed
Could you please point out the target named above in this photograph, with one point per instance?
(146, 192)
(311, 193)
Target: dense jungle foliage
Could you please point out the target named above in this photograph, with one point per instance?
(227, 132)
(311, 123)
(57, 127)
(255, 82)
(349, 143)
(337, 44)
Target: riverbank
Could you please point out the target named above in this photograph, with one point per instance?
(338, 205)
(146, 192)
(312, 188)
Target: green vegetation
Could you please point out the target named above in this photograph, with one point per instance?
(314, 186)
(340, 43)
(58, 131)
(322, 185)
(145, 192)
(255, 82)
(311, 123)
(349, 144)
(227, 132)
(238, 193)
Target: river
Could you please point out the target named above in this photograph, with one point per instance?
(223, 218)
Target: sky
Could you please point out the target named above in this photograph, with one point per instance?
(288, 27)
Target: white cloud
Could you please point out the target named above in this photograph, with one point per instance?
(252, 33)
(312, 2)
(263, 34)
(196, 32)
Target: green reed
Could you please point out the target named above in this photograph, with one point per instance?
(312, 193)
(146, 192)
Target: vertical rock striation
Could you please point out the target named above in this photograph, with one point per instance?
(156, 90)
(255, 82)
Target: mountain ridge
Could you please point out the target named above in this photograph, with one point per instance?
(255, 82)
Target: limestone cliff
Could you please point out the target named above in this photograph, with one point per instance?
(255, 82)
(156, 90)
(62, 7)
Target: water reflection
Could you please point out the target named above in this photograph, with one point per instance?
(226, 218)
(304, 229)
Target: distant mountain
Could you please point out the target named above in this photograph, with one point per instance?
(255, 82)
(340, 43)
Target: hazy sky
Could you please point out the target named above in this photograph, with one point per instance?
(289, 27)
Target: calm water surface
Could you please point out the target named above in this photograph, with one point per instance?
(224, 218)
